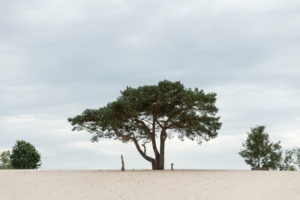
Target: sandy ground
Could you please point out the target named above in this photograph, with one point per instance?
(154, 185)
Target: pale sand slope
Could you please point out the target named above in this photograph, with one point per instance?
(154, 185)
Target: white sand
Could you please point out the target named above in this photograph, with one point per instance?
(154, 185)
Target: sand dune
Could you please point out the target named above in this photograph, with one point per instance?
(154, 185)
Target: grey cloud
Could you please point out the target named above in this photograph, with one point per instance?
(59, 57)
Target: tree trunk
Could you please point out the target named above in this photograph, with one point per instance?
(163, 136)
(162, 156)
(157, 163)
(153, 165)
(122, 160)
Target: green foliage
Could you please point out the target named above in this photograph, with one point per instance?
(170, 105)
(288, 161)
(5, 162)
(259, 152)
(297, 154)
(147, 112)
(25, 156)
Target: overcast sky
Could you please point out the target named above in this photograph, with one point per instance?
(59, 57)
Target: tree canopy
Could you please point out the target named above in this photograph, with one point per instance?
(291, 160)
(151, 114)
(288, 161)
(25, 156)
(297, 154)
(259, 152)
(5, 162)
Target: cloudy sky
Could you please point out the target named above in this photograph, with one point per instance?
(59, 57)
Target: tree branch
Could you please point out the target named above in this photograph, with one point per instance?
(178, 112)
(141, 152)
(150, 134)
(144, 145)
(159, 124)
(119, 134)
